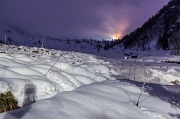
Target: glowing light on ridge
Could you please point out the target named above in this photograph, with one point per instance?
(117, 36)
(116, 29)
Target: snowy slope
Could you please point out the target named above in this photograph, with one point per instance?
(106, 100)
(47, 71)
(58, 82)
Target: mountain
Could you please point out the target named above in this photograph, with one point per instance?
(16, 36)
(161, 31)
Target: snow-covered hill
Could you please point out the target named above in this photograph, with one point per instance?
(48, 71)
(106, 100)
(14, 36)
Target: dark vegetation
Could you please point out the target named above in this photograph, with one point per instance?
(8, 102)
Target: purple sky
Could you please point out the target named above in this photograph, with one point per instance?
(78, 18)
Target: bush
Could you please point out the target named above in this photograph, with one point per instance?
(8, 102)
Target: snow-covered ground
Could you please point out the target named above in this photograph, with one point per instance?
(72, 85)
(154, 62)
(105, 100)
(47, 71)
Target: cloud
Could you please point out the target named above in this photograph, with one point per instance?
(79, 18)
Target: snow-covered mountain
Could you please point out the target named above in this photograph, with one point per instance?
(14, 36)
(161, 31)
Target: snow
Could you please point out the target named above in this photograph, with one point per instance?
(108, 99)
(20, 68)
(75, 80)
(56, 84)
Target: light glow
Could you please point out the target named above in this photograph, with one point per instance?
(117, 36)
(115, 28)
(112, 28)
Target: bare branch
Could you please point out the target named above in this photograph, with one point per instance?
(53, 65)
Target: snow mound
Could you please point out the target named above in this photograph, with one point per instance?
(103, 100)
(47, 72)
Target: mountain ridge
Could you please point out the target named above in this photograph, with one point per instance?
(159, 32)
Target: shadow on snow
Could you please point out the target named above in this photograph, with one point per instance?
(168, 93)
(29, 98)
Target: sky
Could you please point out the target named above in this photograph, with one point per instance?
(97, 19)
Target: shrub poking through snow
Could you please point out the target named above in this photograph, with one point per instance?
(8, 102)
